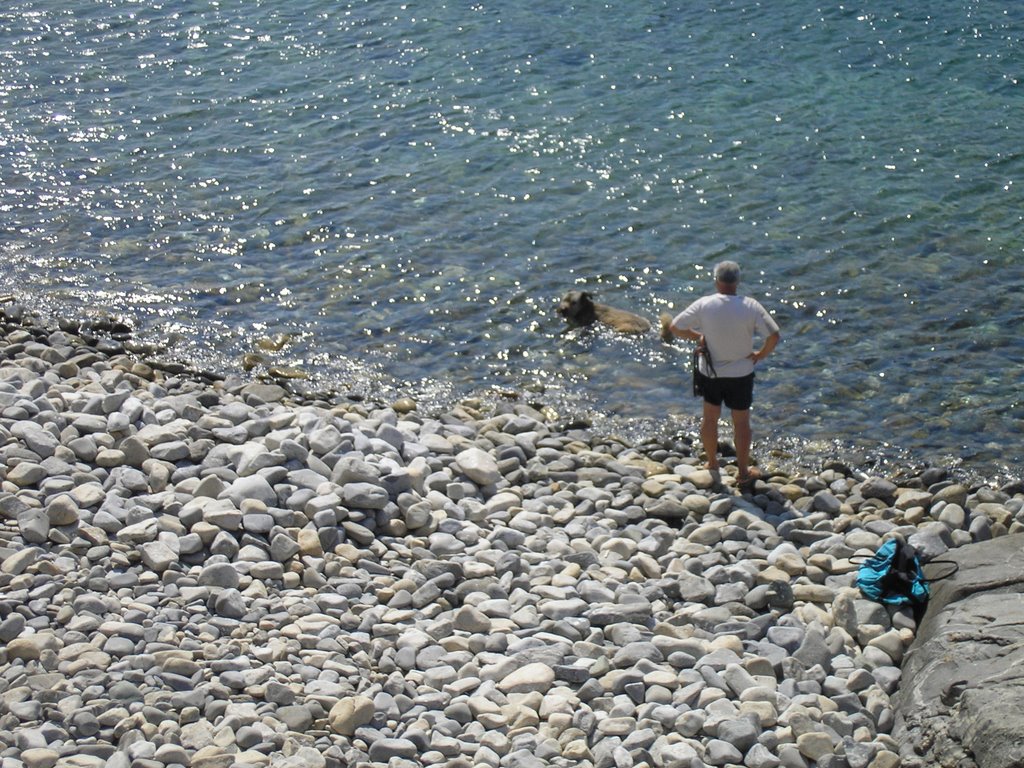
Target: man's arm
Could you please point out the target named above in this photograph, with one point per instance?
(669, 331)
(767, 347)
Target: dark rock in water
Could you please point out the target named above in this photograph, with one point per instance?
(1013, 487)
(961, 701)
(933, 475)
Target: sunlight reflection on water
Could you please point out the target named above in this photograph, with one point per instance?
(408, 192)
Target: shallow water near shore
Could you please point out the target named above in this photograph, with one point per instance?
(401, 194)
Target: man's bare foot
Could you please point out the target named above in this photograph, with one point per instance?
(746, 482)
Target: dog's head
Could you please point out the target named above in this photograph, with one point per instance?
(577, 307)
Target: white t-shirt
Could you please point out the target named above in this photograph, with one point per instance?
(728, 324)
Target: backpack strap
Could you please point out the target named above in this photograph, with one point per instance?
(933, 579)
(702, 349)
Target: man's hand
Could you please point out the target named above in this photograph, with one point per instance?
(763, 352)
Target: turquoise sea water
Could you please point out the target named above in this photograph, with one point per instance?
(406, 190)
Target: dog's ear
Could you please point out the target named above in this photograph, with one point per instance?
(586, 295)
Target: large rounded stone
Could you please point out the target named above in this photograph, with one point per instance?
(479, 466)
(535, 677)
(350, 713)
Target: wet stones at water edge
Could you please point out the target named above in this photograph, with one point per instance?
(203, 573)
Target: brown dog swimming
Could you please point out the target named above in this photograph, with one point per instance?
(579, 308)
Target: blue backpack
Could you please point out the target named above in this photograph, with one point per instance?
(893, 575)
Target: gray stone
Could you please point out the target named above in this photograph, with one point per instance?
(959, 698)
(364, 496)
(741, 732)
(158, 555)
(267, 571)
(825, 501)
(296, 717)
(693, 588)
(353, 469)
(26, 474)
(265, 393)
(814, 650)
(171, 451)
(479, 466)
(851, 611)
(119, 646)
(124, 691)
(531, 677)
(135, 451)
(721, 752)
(350, 713)
(280, 694)
(788, 638)
(251, 487)
(760, 756)
(62, 510)
(39, 757)
(469, 619)
(140, 532)
(223, 514)
(931, 540)
(878, 488)
(16, 562)
(283, 547)
(666, 507)
(36, 439)
(384, 750)
(858, 754)
(222, 575)
(34, 526)
(229, 603)
(952, 494)
(603, 614)
(953, 516)
(11, 627)
(677, 755)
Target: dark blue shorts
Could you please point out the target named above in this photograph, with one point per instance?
(736, 393)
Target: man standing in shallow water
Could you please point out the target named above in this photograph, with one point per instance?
(725, 325)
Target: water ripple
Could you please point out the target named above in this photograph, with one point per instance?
(406, 192)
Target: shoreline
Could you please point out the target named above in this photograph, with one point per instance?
(563, 406)
(211, 571)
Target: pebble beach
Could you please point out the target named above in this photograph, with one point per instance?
(210, 571)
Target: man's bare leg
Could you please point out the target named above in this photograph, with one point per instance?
(741, 428)
(709, 433)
